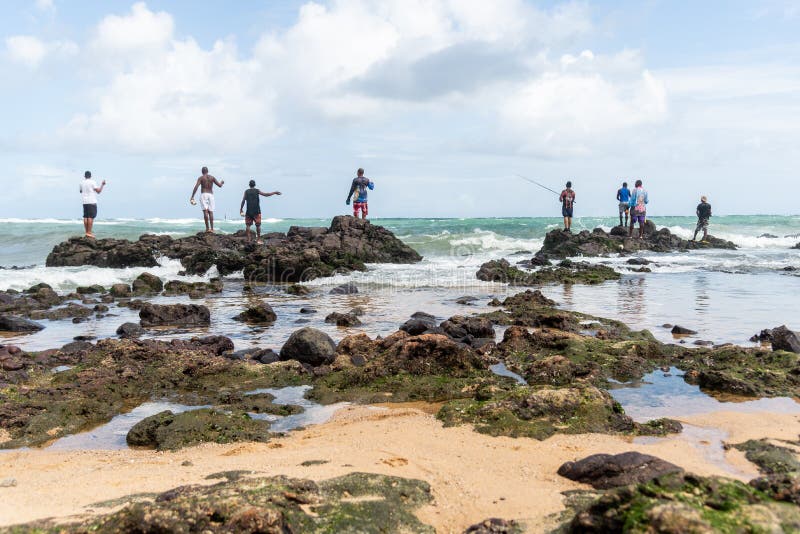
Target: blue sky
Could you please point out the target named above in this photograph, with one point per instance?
(442, 101)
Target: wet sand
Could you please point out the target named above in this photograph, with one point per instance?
(473, 476)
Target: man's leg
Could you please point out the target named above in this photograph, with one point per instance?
(247, 232)
(258, 233)
(566, 225)
(211, 220)
(91, 225)
(205, 218)
(569, 224)
(86, 225)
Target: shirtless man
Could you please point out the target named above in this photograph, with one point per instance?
(206, 183)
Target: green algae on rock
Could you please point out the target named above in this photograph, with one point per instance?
(542, 411)
(771, 459)
(685, 503)
(357, 502)
(170, 431)
(116, 375)
(566, 272)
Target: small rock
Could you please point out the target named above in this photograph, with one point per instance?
(8, 483)
(310, 346)
(349, 288)
(343, 319)
(147, 283)
(258, 313)
(604, 471)
(186, 463)
(130, 330)
(682, 331)
(466, 301)
(298, 289)
(307, 311)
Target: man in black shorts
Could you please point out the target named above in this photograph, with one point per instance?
(253, 213)
(89, 192)
(567, 199)
(703, 215)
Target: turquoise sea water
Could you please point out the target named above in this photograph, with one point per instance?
(726, 296)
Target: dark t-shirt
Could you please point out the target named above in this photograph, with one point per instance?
(251, 196)
(704, 210)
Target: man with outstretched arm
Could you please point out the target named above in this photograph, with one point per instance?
(623, 197)
(253, 213)
(567, 199)
(359, 189)
(206, 183)
(89, 192)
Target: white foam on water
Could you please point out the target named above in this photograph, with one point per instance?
(68, 278)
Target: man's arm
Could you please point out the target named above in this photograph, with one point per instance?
(352, 190)
(196, 185)
(100, 189)
(619, 195)
(241, 208)
(216, 182)
(269, 194)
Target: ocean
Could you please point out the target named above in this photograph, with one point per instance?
(727, 296)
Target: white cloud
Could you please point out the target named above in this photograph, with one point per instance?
(31, 51)
(45, 6)
(139, 31)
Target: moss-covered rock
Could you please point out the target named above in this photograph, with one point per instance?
(771, 459)
(567, 272)
(357, 502)
(678, 503)
(170, 431)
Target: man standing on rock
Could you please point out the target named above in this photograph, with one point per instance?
(623, 197)
(206, 183)
(89, 192)
(359, 187)
(638, 205)
(253, 213)
(567, 199)
(703, 215)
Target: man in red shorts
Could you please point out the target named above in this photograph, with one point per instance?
(359, 188)
(253, 213)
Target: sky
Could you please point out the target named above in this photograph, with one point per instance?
(443, 102)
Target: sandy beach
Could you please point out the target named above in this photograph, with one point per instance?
(473, 476)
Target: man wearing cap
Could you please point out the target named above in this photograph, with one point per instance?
(703, 215)
(89, 192)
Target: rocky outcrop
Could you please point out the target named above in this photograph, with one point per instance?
(130, 331)
(566, 272)
(356, 502)
(604, 471)
(560, 244)
(174, 315)
(347, 319)
(193, 289)
(116, 253)
(309, 346)
(781, 338)
(299, 255)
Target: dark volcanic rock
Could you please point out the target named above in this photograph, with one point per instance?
(147, 284)
(605, 471)
(10, 323)
(559, 244)
(120, 290)
(193, 289)
(781, 338)
(464, 329)
(343, 319)
(309, 346)
(257, 313)
(350, 288)
(116, 253)
(298, 289)
(130, 331)
(419, 323)
(174, 315)
(301, 254)
(494, 525)
(682, 331)
(566, 272)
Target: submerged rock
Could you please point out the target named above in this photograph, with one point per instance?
(682, 331)
(174, 315)
(147, 284)
(349, 288)
(130, 330)
(259, 313)
(604, 471)
(566, 272)
(348, 319)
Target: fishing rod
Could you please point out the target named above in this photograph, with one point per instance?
(537, 183)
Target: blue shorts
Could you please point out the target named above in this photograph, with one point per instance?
(89, 211)
(566, 212)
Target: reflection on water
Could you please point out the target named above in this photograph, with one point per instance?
(658, 395)
(111, 435)
(500, 369)
(313, 413)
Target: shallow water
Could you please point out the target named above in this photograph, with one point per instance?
(658, 395)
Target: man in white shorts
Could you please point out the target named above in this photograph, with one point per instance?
(206, 183)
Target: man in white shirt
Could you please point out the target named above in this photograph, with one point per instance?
(89, 192)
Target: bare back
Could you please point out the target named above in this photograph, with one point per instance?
(206, 183)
